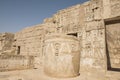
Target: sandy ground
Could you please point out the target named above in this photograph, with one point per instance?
(38, 74)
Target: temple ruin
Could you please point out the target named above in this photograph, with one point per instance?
(96, 26)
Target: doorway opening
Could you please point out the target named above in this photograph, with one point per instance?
(112, 29)
(18, 50)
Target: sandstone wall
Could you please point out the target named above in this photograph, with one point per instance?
(68, 20)
(6, 42)
(30, 41)
(85, 21)
(111, 8)
(93, 38)
(15, 62)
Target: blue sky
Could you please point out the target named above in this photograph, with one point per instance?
(18, 14)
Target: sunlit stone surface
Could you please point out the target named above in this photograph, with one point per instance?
(62, 56)
(95, 30)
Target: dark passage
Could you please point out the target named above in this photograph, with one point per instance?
(18, 50)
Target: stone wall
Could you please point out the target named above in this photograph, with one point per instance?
(93, 46)
(68, 20)
(111, 8)
(15, 62)
(6, 42)
(85, 21)
(31, 38)
(29, 41)
(93, 38)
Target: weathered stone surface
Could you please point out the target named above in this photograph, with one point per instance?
(6, 42)
(94, 23)
(15, 62)
(62, 56)
(111, 8)
(30, 40)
